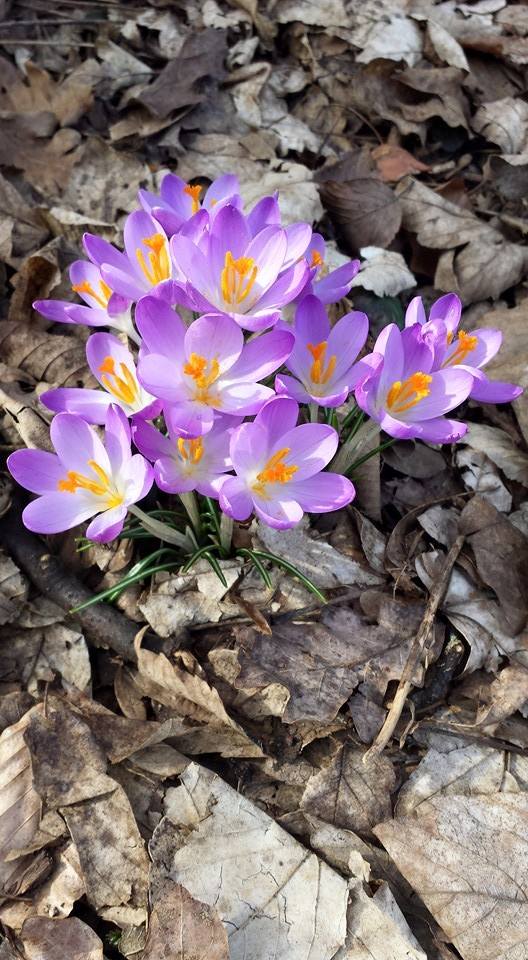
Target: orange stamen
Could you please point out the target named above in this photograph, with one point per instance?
(194, 194)
(86, 287)
(318, 373)
(158, 267)
(466, 344)
(317, 260)
(237, 278)
(275, 471)
(407, 393)
(102, 487)
(191, 450)
(124, 387)
(204, 373)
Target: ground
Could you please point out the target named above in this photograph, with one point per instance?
(208, 771)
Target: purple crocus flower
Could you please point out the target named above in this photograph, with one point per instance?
(328, 287)
(323, 358)
(206, 367)
(406, 395)
(182, 464)
(112, 364)
(102, 307)
(179, 201)
(230, 271)
(456, 348)
(84, 478)
(278, 468)
(145, 263)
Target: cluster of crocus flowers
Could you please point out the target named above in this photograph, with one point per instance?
(227, 405)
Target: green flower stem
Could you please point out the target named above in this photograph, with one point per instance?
(162, 530)
(371, 453)
(191, 506)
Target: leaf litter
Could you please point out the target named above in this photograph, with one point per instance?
(191, 774)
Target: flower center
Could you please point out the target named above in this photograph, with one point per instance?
(318, 372)
(465, 344)
(204, 373)
(124, 387)
(237, 278)
(158, 266)
(191, 450)
(407, 393)
(194, 194)
(275, 471)
(102, 487)
(317, 260)
(86, 287)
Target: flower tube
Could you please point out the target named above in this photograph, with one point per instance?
(179, 201)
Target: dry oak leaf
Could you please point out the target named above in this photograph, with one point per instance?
(181, 83)
(394, 162)
(350, 793)
(467, 858)
(182, 928)
(14, 589)
(70, 939)
(466, 770)
(52, 358)
(499, 447)
(26, 143)
(67, 100)
(364, 211)
(504, 122)
(276, 898)
(487, 263)
(376, 925)
(21, 810)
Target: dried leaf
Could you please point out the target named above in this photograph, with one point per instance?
(375, 924)
(394, 162)
(201, 56)
(364, 211)
(467, 770)
(384, 272)
(182, 928)
(267, 888)
(45, 939)
(14, 589)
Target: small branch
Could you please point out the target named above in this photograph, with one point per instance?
(417, 647)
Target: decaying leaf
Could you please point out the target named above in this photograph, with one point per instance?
(375, 925)
(182, 928)
(45, 939)
(467, 858)
(364, 211)
(266, 887)
(384, 272)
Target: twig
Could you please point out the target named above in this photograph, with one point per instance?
(417, 647)
(104, 625)
(42, 43)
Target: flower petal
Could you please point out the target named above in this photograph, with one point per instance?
(58, 511)
(441, 430)
(159, 376)
(279, 514)
(346, 339)
(107, 525)
(117, 439)
(215, 337)
(415, 312)
(310, 447)
(244, 399)
(448, 388)
(278, 416)
(322, 493)
(89, 404)
(235, 500)
(189, 419)
(292, 388)
(76, 443)
(149, 441)
(336, 284)
(36, 470)
(493, 391)
(161, 328)
(261, 356)
(448, 309)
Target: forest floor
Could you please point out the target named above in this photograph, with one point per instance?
(200, 772)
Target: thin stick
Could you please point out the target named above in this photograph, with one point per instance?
(417, 647)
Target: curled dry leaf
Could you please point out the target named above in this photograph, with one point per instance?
(467, 858)
(384, 272)
(52, 358)
(14, 589)
(267, 888)
(500, 448)
(375, 924)
(364, 211)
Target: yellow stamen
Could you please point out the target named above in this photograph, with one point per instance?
(100, 488)
(86, 287)
(275, 471)
(317, 260)
(466, 344)
(237, 278)
(318, 373)
(124, 387)
(204, 373)
(194, 194)
(407, 393)
(158, 267)
(191, 450)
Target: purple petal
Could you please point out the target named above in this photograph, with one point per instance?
(54, 310)
(229, 232)
(322, 493)
(346, 339)
(286, 288)
(448, 388)
(448, 309)
(262, 356)
(389, 343)
(298, 236)
(100, 251)
(160, 326)
(264, 214)
(140, 227)
(336, 284)
(76, 443)
(149, 441)
(159, 376)
(235, 500)
(189, 419)
(397, 428)
(223, 188)
(256, 321)
(310, 447)
(190, 263)
(36, 470)
(171, 477)
(243, 399)
(493, 391)
(415, 312)
(215, 338)
(139, 477)
(89, 404)
(278, 416)
(279, 514)
(56, 512)
(77, 313)
(441, 430)
(117, 438)
(124, 282)
(292, 388)
(107, 525)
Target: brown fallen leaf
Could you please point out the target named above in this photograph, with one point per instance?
(507, 693)
(501, 554)
(465, 770)
(268, 889)
(13, 589)
(364, 211)
(467, 858)
(67, 100)
(394, 162)
(52, 358)
(350, 793)
(176, 87)
(182, 928)
(46, 161)
(45, 939)
(500, 448)
(375, 924)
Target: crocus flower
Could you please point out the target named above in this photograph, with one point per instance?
(278, 468)
(145, 263)
(206, 367)
(112, 364)
(179, 201)
(404, 392)
(182, 464)
(84, 478)
(456, 348)
(232, 272)
(328, 287)
(103, 307)
(323, 359)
